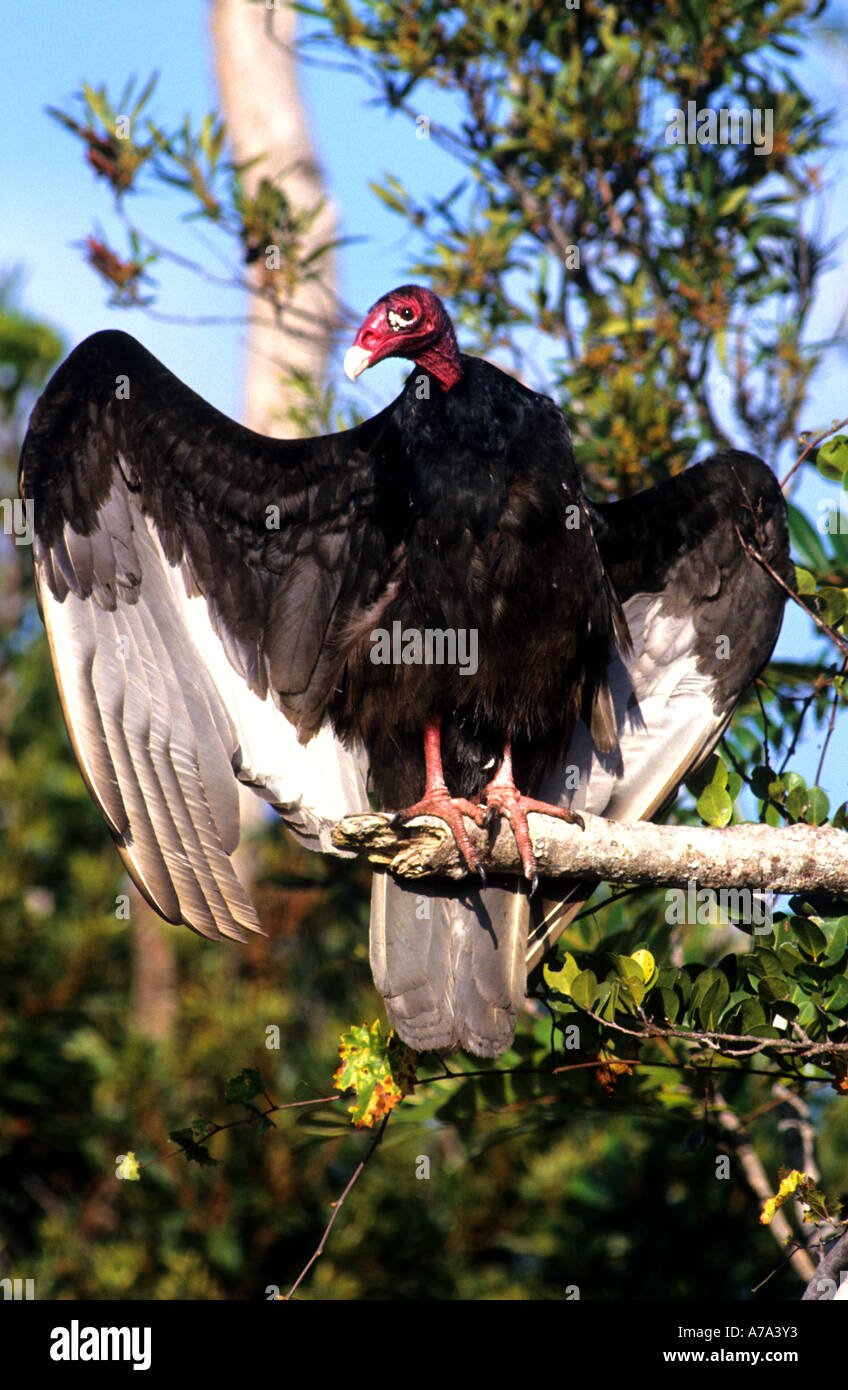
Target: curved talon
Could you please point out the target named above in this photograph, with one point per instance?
(438, 802)
(503, 798)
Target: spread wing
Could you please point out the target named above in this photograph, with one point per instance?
(191, 575)
(704, 617)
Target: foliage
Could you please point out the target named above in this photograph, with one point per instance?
(802, 1185)
(131, 152)
(664, 293)
(650, 267)
(379, 1068)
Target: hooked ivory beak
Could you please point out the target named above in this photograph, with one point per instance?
(356, 360)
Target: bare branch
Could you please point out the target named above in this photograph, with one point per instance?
(337, 1206)
(786, 859)
(823, 1282)
(812, 444)
(758, 1181)
(822, 626)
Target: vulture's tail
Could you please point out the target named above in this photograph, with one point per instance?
(449, 960)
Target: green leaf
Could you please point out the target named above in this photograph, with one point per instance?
(838, 943)
(194, 1152)
(832, 458)
(764, 784)
(243, 1087)
(732, 200)
(562, 978)
(751, 1015)
(201, 1156)
(584, 989)
(761, 963)
(709, 996)
(773, 988)
(832, 604)
(837, 997)
(805, 540)
(804, 581)
(671, 1004)
(628, 969)
(817, 806)
(631, 993)
(715, 806)
(609, 998)
(763, 1030)
(797, 801)
(734, 785)
(809, 937)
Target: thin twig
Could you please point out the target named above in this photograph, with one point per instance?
(828, 1271)
(831, 723)
(828, 631)
(337, 1206)
(758, 1181)
(805, 1048)
(766, 749)
(806, 704)
(248, 1119)
(812, 444)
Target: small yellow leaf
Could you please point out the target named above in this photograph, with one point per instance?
(788, 1187)
(646, 964)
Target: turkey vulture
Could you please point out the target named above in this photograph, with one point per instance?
(223, 607)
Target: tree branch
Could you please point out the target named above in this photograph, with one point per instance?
(824, 1281)
(787, 859)
(758, 1181)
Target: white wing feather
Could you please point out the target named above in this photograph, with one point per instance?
(164, 727)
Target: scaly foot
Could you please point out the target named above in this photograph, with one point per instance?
(504, 799)
(437, 801)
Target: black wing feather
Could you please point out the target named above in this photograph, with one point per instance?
(148, 502)
(214, 491)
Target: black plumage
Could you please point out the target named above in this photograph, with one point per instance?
(212, 598)
(484, 485)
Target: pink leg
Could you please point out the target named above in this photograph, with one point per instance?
(437, 800)
(504, 798)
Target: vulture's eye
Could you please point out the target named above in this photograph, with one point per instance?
(400, 318)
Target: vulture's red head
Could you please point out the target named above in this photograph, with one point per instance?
(408, 322)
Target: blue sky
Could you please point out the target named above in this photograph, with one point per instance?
(49, 200)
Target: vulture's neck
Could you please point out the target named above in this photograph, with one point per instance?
(441, 359)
